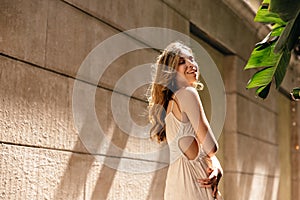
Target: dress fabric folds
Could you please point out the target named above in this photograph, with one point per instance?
(181, 181)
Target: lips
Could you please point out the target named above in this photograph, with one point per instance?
(192, 72)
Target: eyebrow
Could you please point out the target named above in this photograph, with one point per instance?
(187, 57)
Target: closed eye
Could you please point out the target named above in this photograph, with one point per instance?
(181, 61)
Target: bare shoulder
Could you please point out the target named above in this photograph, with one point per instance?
(187, 91)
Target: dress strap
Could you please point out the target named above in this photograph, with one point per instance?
(173, 100)
(172, 104)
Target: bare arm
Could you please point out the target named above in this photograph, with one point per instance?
(191, 105)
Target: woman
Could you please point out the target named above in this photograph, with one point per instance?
(177, 116)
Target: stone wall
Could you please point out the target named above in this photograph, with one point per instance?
(42, 45)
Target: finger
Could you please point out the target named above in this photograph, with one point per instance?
(214, 191)
(205, 186)
(209, 170)
(207, 181)
(204, 181)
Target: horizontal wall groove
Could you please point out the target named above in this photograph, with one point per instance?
(76, 152)
(68, 76)
(251, 174)
(253, 137)
(121, 30)
(93, 16)
(257, 103)
(258, 139)
(251, 100)
(175, 10)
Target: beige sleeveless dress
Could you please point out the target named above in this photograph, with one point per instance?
(181, 181)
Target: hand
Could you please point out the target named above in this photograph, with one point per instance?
(214, 176)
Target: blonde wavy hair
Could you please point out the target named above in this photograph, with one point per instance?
(163, 87)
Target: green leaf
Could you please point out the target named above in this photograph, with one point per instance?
(295, 93)
(290, 35)
(281, 66)
(262, 58)
(261, 78)
(263, 91)
(260, 89)
(274, 52)
(286, 9)
(263, 15)
(277, 30)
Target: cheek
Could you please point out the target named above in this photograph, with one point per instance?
(181, 69)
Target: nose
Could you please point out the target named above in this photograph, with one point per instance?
(192, 65)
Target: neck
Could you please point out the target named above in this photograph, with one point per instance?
(183, 83)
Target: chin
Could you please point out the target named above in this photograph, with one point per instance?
(193, 83)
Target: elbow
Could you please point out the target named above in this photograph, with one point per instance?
(213, 150)
(210, 144)
(208, 141)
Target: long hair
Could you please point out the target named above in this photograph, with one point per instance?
(163, 87)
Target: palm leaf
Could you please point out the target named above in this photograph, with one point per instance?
(277, 29)
(262, 58)
(266, 2)
(263, 15)
(273, 53)
(281, 66)
(286, 9)
(263, 91)
(295, 94)
(261, 78)
(290, 35)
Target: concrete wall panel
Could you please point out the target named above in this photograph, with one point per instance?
(35, 108)
(250, 155)
(127, 14)
(256, 121)
(106, 183)
(251, 186)
(71, 35)
(221, 24)
(24, 35)
(121, 67)
(36, 173)
(235, 70)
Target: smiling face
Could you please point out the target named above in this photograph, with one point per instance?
(187, 69)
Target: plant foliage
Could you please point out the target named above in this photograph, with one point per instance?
(272, 55)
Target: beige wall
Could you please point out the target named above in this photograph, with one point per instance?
(284, 140)
(42, 45)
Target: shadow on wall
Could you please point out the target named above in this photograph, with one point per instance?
(86, 178)
(77, 176)
(254, 179)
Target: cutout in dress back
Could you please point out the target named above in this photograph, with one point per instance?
(187, 144)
